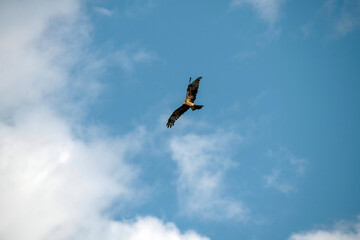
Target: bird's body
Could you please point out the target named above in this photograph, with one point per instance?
(188, 103)
(191, 92)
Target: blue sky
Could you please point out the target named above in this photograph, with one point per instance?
(86, 88)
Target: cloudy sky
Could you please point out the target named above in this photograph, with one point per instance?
(86, 88)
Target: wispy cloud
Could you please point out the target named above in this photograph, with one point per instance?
(343, 230)
(306, 29)
(202, 163)
(286, 171)
(132, 55)
(344, 16)
(272, 180)
(243, 55)
(139, 7)
(346, 23)
(268, 10)
(260, 97)
(104, 11)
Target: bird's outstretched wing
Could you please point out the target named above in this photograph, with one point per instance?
(192, 90)
(176, 114)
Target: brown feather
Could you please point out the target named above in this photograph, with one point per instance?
(176, 114)
(192, 90)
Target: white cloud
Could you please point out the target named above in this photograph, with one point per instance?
(58, 177)
(28, 74)
(150, 228)
(104, 11)
(202, 162)
(51, 176)
(344, 230)
(268, 10)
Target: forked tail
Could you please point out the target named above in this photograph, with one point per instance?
(196, 107)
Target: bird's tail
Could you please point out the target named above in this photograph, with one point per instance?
(196, 107)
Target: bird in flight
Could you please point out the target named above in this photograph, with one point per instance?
(191, 92)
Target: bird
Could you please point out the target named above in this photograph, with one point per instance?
(191, 92)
